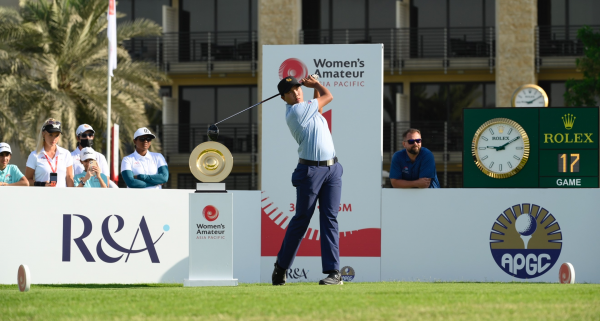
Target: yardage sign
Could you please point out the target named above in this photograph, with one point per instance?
(556, 148)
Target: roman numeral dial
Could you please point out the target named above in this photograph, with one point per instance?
(500, 148)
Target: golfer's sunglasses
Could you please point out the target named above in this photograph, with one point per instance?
(86, 135)
(412, 141)
(145, 139)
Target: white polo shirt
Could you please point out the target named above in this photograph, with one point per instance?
(38, 162)
(78, 167)
(139, 164)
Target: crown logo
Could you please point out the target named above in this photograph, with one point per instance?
(568, 120)
(288, 79)
(501, 129)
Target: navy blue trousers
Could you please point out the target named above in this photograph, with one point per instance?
(322, 183)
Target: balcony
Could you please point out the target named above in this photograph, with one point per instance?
(412, 49)
(558, 46)
(198, 52)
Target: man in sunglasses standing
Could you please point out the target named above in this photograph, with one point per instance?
(414, 166)
(142, 168)
(85, 138)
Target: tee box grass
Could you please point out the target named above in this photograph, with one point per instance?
(304, 301)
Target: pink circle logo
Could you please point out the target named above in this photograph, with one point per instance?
(210, 213)
(566, 274)
(293, 67)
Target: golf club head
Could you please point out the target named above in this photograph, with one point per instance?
(213, 132)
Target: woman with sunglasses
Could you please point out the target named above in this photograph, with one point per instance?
(85, 138)
(144, 169)
(50, 165)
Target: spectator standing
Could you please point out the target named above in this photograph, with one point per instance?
(142, 168)
(414, 166)
(91, 176)
(10, 175)
(85, 138)
(49, 158)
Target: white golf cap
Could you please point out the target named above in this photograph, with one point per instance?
(142, 131)
(87, 153)
(83, 128)
(4, 147)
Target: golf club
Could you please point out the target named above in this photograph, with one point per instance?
(213, 130)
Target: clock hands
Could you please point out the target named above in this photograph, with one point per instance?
(531, 101)
(498, 148)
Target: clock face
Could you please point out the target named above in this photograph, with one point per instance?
(500, 148)
(530, 96)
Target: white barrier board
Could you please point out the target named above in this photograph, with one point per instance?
(70, 235)
(478, 234)
(354, 75)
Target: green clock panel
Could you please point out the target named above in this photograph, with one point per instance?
(563, 147)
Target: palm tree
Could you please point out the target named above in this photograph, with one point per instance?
(53, 63)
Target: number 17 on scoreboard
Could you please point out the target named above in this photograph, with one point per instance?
(568, 163)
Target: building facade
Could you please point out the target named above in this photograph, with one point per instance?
(440, 56)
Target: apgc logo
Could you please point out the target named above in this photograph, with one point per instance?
(293, 67)
(348, 273)
(526, 241)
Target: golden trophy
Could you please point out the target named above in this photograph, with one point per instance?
(211, 162)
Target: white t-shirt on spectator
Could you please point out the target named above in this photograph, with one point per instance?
(78, 167)
(139, 164)
(38, 162)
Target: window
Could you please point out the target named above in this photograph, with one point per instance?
(452, 13)
(218, 15)
(555, 91)
(568, 12)
(136, 9)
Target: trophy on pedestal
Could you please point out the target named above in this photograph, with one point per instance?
(211, 217)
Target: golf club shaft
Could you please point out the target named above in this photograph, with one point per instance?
(248, 108)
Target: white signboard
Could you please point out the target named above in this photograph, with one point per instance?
(490, 234)
(73, 235)
(354, 75)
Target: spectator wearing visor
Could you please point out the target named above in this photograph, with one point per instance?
(50, 165)
(144, 169)
(91, 176)
(10, 175)
(85, 138)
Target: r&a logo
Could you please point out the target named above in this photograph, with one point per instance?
(297, 273)
(107, 237)
(526, 241)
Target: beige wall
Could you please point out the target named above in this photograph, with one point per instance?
(515, 47)
(279, 23)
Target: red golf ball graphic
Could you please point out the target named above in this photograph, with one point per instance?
(293, 67)
(210, 213)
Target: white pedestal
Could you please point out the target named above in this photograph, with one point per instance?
(211, 240)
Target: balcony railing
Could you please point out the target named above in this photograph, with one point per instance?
(436, 48)
(560, 40)
(210, 51)
(183, 138)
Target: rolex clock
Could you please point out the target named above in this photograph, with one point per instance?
(500, 148)
(529, 96)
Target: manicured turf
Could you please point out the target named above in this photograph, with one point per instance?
(352, 301)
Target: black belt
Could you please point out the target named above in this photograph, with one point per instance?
(318, 163)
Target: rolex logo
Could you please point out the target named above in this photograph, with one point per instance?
(568, 120)
(501, 129)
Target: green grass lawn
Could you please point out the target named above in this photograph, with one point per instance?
(305, 301)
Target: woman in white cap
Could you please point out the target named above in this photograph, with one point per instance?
(50, 164)
(10, 175)
(91, 175)
(144, 169)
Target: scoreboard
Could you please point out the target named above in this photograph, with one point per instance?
(531, 147)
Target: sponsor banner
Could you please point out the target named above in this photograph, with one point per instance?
(71, 235)
(211, 237)
(354, 75)
(309, 269)
(489, 234)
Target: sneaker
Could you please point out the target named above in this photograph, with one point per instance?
(278, 277)
(333, 278)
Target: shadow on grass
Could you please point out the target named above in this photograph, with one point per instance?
(109, 286)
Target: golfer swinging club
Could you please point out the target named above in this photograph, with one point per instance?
(318, 176)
